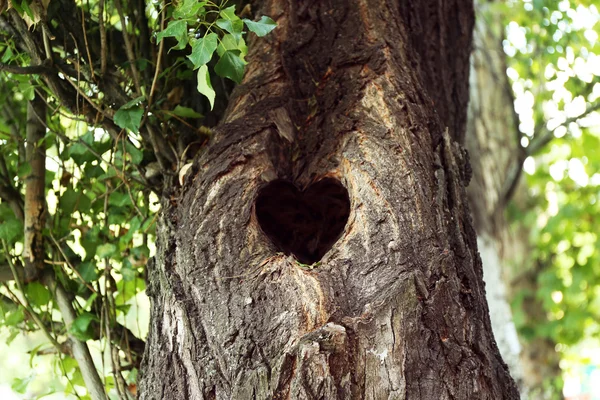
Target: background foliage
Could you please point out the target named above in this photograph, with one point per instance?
(122, 115)
(553, 58)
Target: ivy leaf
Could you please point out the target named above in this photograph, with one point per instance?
(129, 104)
(20, 385)
(7, 56)
(14, 317)
(119, 199)
(37, 294)
(88, 272)
(135, 153)
(129, 118)
(176, 29)
(27, 90)
(189, 9)
(68, 200)
(231, 66)
(230, 22)
(186, 112)
(203, 49)
(229, 14)
(261, 27)
(24, 170)
(204, 85)
(80, 326)
(11, 229)
(230, 42)
(106, 250)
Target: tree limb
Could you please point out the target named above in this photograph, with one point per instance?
(81, 352)
(542, 136)
(32, 69)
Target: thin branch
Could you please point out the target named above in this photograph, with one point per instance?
(66, 261)
(541, 138)
(81, 352)
(87, 46)
(26, 305)
(8, 192)
(6, 273)
(129, 48)
(31, 69)
(158, 60)
(103, 50)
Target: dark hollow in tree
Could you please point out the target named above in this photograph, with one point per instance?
(303, 223)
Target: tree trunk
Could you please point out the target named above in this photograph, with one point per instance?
(496, 156)
(492, 140)
(371, 97)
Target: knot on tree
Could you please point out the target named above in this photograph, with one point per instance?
(303, 223)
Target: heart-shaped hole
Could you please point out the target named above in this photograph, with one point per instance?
(303, 223)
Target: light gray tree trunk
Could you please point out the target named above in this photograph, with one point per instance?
(493, 143)
(373, 95)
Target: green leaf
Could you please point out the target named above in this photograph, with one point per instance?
(88, 272)
(229, 14)
(230, 42)
(186, 112)
(90, 301)
(93, 171)
(204, 85)
(176, 29)
(262, 27)
(37, 294)
(230, 22)
(129, 118)
(106, 250)
(131, 104)
(128, 271)
(80, 326)
(135, 153)
(71, 201)
(123, 308)
(231, 66)
(20, 385)
(203, 49)
(11, 230)
(13, 334)
(28, 90)
(128, 289)
(68, 200)
(14, 317)
(7, 56)
(119, 199)
(189, 9)
(80, 153)
(24, 170)
(27, 10)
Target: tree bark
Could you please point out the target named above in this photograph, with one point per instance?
(373, 95)
(493, 142)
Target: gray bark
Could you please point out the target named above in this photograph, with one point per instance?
(373, 95)
(492, 141)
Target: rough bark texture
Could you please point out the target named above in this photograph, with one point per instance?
(35, 198)
(374, 95)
